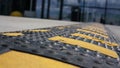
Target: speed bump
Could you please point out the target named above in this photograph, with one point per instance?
(37, 30)
(47, 44)
(14, 59)
(95, 30)
(85, 45)
(61, 27)
(13, 34)
(95, 39)
(92, 32)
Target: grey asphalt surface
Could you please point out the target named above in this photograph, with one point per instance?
(8, 23)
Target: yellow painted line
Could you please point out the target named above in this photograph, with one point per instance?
(61, 27)
(85, 45)
(95, 39)
(14, 59)
(13, 34)
(95, 28)
(112, 44)
(96, 31)
(37, 30)
(92, 32)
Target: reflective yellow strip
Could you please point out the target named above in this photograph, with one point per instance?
(95, 39)
(61, 27)
(85, 45)
(92, 33)
(36, 30)
(97, 28)
(96, 31)
(12, 34)
(14, 59)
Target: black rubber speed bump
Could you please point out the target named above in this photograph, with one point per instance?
(37, 42)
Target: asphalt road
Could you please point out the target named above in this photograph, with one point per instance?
(8, 23)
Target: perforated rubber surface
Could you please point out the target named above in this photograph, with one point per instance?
(80, 45)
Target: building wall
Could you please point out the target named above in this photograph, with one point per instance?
(91, 10)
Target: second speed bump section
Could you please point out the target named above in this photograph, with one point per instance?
(86, 45)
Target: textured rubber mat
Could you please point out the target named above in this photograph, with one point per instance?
(85, 46)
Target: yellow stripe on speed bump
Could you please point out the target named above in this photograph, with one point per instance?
(92, 32)
(61, 27)
(95, 39)
(13, 34)
(85, 45)
(96, 31)
(14, 59)
(37, 30)
(96, 28)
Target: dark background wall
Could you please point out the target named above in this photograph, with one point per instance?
(89, 10)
